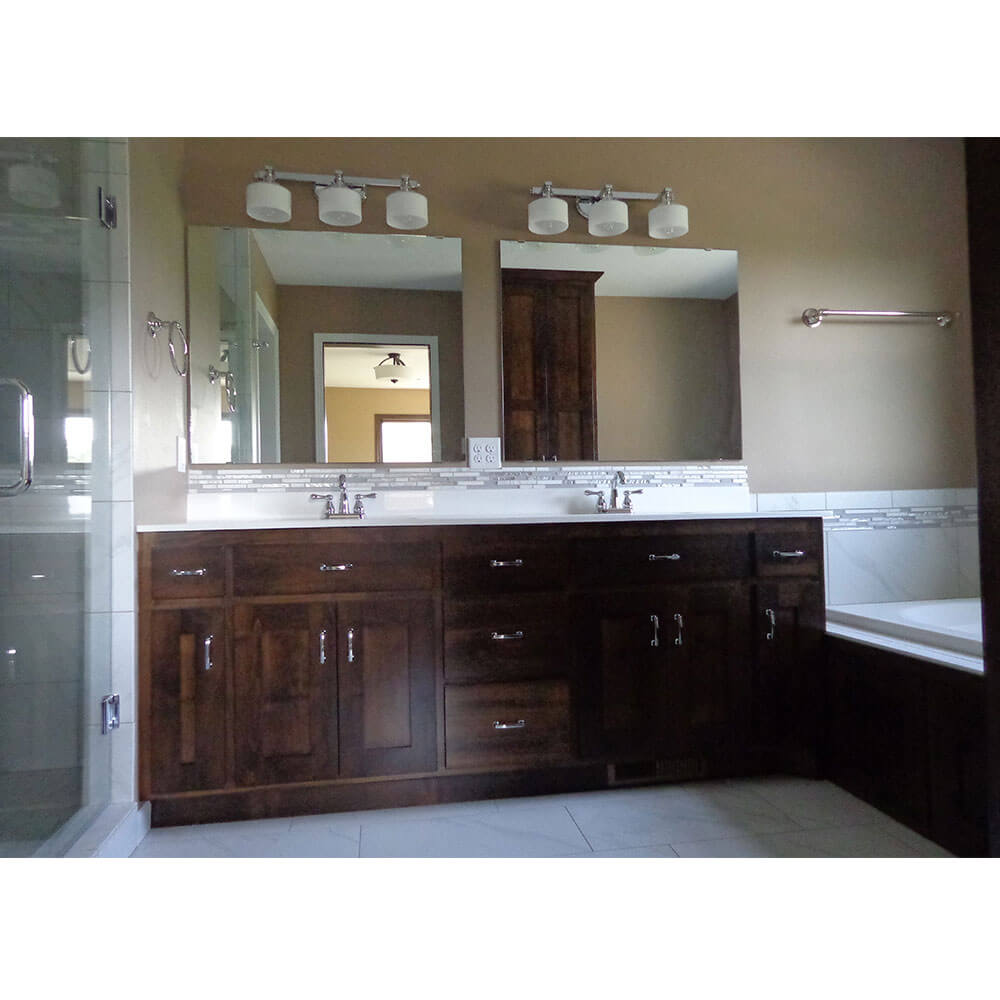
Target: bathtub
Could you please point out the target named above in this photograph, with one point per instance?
(948, 631)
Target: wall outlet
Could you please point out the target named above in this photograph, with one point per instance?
(484, 453)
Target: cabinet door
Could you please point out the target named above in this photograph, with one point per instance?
(524, 390)
(285, 693)
(387, 655)
(622, 642)
(789, 622)
(187, 740)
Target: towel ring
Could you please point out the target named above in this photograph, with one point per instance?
(174, 325)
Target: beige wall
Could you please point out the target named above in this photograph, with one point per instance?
(263, 281)
(306, 310)
(156, 238)
(350, 418)
(848, 223)
(667, 378)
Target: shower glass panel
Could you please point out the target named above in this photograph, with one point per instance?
(54, 547)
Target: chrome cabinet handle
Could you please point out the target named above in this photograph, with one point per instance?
(26, 436)
(679, 641)
(189, 572)
(350, 645)
(655, 622)
(508, 635)
(673, 557)
(769, 615)
(338, 568)
(208, 652)
(520, 724)
(499, 563)
(322, 646)
(797, 554)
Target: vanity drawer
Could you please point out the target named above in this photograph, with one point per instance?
(662, 558)
(506, 638)
(334, 567)
(505, 566)
(516, 724)
(188, 571)
(789, 553)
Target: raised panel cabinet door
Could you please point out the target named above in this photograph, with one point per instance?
(788, 623)
(188, 668)
(524, 380)
(621, 646)
(707, 670)
(388, 662)
(285, 682)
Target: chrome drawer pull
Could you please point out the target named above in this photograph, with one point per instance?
(322, 646)
(208, 652)
(350, 645)
(797, 554)
(499, 563)
(654, 620)
(679, 641)
(520, 724)
(339, 568)
(508, 635)
(769, 615)
(189, 572)
(674, 556)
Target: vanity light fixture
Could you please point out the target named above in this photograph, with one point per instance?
(267, 200)
(394, 371)
(606, 211)
(548, 215)
(338, 198)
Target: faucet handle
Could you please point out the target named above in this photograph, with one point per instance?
(602, 504)
(628, 498)
(359, 507)
(328, 497)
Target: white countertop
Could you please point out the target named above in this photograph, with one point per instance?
(390, 520)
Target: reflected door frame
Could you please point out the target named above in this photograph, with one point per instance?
(321, 340)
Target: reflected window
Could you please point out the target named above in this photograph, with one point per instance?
(402, 438)
(79, 432)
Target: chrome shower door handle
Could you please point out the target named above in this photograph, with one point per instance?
(26, 437)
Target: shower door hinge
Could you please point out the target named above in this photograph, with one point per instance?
(110, 713)
(107, 209)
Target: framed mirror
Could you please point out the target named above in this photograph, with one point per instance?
(618, 353)
(260, 301)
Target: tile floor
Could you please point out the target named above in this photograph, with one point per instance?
(747, 818)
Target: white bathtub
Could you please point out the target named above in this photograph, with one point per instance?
(949, 631)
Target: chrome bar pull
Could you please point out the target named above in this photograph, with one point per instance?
(654, 620)
(338, 568)
(679, 641)
(769, 615)
(500, 563)
(520, 724)
(202, 571)
(508, 635)
(322, 646)
(673, 557)
(208, 652)
(26, 437)
(350, 645)
(778, 554)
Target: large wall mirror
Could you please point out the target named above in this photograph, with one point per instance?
(618, 353)
(324, 346)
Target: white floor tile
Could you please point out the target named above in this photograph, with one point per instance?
(842, 842)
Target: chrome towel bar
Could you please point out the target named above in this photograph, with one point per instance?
(813, 317)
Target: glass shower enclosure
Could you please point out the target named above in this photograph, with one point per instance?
(55, 459)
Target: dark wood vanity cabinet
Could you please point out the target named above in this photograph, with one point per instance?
(549, 373)
(312, 670)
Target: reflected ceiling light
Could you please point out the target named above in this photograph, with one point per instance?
(668, 220)
(548, 215)
(395, 370)
(606, 211)
(339, 204)
(267, 200)
(608, 216)
(33, 185)
(405, 208)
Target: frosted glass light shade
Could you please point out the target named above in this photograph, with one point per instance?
(548, 216)
(406, 210)
(607, 217)
(339, 205)
(269, 202)
(33, 185)
(667, 221)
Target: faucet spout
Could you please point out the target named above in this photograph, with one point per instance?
(343, 507)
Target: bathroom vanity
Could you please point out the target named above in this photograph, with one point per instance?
(357, 665)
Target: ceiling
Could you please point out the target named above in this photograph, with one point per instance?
(349, 366)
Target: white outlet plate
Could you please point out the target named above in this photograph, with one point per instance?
(484, 453)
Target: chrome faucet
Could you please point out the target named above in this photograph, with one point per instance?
(602, 505)
(338, 506)
(343, 508)
(618, 477)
